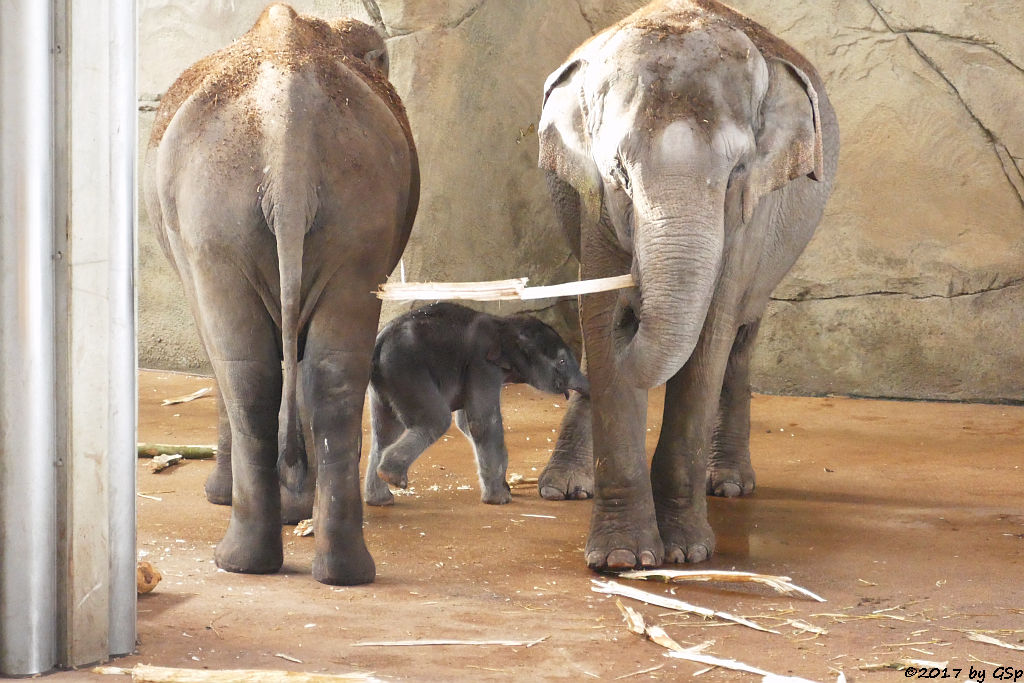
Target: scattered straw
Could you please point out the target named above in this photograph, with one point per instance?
(982, 638)
(434, 643)
(613, 588)
(781, 584)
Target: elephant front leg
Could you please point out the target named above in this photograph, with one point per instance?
(623, 526)
(729, 472)
(569, 474)
(483, 426)
(679, 466)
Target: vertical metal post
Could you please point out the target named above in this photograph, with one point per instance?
(67, 333)
(95, 137)
(123, 352)
(27, 402)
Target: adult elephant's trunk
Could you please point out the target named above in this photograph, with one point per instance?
(676, 259)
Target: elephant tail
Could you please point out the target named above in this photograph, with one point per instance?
(289, 217)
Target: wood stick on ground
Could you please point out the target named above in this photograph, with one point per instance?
(982, 638)
(781, 584)
(151, 450)
(613, 588)
(161, 462)
(199, 393)
(143, 673)
(418, 643)
(636, 624)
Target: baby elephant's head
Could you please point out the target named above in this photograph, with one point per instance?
(539, 357)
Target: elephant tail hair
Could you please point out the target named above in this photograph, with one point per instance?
(290, 220)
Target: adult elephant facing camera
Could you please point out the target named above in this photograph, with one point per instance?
(282, 180)
(689, 146)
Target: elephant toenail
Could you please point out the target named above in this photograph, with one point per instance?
(621, 559)
(647, 559)
(697, 553)
(551, 493)
(729, 489)
(675, 555)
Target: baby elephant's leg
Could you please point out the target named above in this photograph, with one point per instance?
(386, 429)
(425, 422)
(482, 424)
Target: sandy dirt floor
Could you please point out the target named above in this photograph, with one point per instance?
(907, 517)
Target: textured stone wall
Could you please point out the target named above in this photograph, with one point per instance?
(913, 285)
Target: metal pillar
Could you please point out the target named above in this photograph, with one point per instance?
(27, 479)
(67, 333)
(123, 407)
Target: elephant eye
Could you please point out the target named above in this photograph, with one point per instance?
(737, 171)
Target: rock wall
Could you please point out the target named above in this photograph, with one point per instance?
(911, 288)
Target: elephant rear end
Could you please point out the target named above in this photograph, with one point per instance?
(262, 163)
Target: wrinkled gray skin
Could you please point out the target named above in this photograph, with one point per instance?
(260, 190)
(446, 357)
(689, 147)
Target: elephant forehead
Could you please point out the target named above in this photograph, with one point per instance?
(677, 140)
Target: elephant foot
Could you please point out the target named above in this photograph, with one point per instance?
(396, 475)
(497, 495)
(218, 486)
(252, 550)
(687, 537)
(620, 540)
(376, 492)
(558, 482)
(569, 474)
(296, 507)
(730, 481)
(351, 567)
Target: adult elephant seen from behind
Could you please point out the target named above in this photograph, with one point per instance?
(688, 146)
(283, 181)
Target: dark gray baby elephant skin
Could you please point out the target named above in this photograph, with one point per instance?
(690, 147)
(282, 181)
(444, 358)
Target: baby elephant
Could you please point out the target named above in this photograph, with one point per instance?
(446, 357)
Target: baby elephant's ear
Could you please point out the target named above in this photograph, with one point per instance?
(495, 355)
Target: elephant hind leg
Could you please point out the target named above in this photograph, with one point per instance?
(385, 428)
(729, 472)
(335, 374)
(427, 416)
(218, 483)
(241, 341)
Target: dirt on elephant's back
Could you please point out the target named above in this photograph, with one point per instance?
(907, 517)
(288, 42)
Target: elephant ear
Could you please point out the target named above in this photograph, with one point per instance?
(789, 141)
(565, 143)
(378, 59)
(508, 352)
